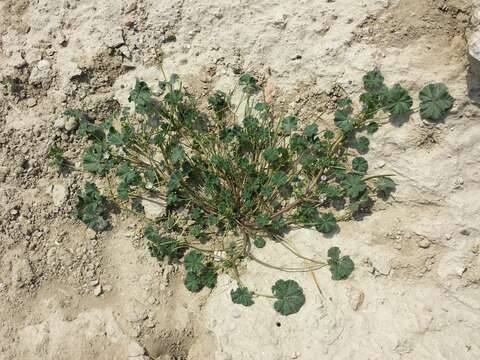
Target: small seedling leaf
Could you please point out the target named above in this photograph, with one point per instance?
(340, 267)
(242, 296)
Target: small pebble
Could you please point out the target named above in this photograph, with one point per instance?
(98, 290)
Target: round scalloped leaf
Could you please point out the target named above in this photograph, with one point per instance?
(361, 144)
(398, 101)
(373, 80)
(193, 262)
(192, 282)
(259, 242)
(372, 128)
(354, 186)
(289, 124)
(340, 267)
(290, 297)
(384, 186)
(208, 276)
(359, 164)
(326, 223)
(242, 296)
(435, 102)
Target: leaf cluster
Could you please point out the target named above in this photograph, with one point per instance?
(233, 179)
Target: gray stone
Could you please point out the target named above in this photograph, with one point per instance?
(154, 208)
(71, 124)
(134, 349)
(41, 74)
(17, 61)
(114, 38)
(97, 291)
(59, 194)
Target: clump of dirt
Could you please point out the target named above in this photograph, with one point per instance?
(410, 20)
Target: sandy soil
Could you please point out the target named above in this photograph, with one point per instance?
(68, 293)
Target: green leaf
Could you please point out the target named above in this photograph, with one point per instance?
(128, 175)
(344, 102)
(328, 134)
(354, 186)
(326, 223)
(193, 283)
(261, 106)
(289, 296)
(219, 101)
(262, 220)
(174, 97)
(161, 246)
(384, 186)
(95, 159)
(123, 190)
(340, 267)
(271, 154)
(140, 96)
(114, 137)
(373, 80)
(398, 101)
(372, 128)
(208, 276)
(193, 262)
(242, 296)
(359, 164)
(177, 154)
(249, 84)
(289, 124)
(435, 102)
(92, 208)
(310, 130)
(342, 120)
(360, 203)
(259, 242)
(56, 156)
(361, 144)
(279, 178)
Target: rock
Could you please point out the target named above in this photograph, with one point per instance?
(71, 124)
(130, 6)
(22, 273)
(137, 313)
(154, 208)
(382, 266)
(134, 349)
(94, 282)
(4, 171)
(114, 38)
(33, 55)
(424, 243)
(97, 291)
(451, 265)
(31, 102)
(72, 70)
(59, 123)
(125, 51)
(149, 324)
(17, 61)
(90, 234)
(41, 74)
(59, 194)
(356, 298)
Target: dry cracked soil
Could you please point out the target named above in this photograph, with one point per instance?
(69, 293)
